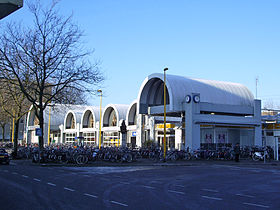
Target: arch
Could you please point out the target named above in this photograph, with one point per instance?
(110, 117)
(31, 117)
(113, 113)
(178, 87)
(74, 116)
(90, 116)
(88, 120)
(152, 93)
(131, 117)
(70, 120)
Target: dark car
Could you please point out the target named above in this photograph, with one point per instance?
(4, 156)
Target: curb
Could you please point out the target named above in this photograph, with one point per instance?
(176, 164)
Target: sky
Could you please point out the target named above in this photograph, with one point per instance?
(225, 40)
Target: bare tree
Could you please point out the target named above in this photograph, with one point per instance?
(14, 105)
(47, 59)
(268, 104)
(4, 120)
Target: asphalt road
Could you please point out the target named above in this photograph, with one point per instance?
(139, 187)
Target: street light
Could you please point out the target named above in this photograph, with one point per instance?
(13, 130)
(49, 126)
(164, 116)
(99, 143)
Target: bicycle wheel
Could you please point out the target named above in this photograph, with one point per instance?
(78, 159)
(255, 157)
(174, 157)
(35, 158)
(128, 158)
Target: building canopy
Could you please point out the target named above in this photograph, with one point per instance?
(178, 87)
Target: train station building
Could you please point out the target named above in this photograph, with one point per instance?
(207, 113)
(200, 113)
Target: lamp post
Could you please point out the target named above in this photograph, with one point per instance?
(99, 143)
(49, 126)
(164, 115)
(13, 129)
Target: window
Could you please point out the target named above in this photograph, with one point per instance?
(111, 139)
(70, 137)
(113, 118)
(89, 138)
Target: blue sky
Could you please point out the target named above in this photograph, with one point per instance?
(227, 40)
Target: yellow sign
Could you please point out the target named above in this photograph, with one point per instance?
(168, 125)
(116, 142)
(271, 126)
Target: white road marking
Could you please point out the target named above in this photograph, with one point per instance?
(49, 183)
(13, 164)
(24, 176)
(178, 185)
(178, 192)
(90, 195)
(115, 202)
(69, 189)
(15, 173)
(37, 180)
(85, 175)
(5, 170)
(210, 190)
(254, 204)
(242, 195)
(212, 198)
(149, 187)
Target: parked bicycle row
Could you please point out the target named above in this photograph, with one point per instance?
(84, 154)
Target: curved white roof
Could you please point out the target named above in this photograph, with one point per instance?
(120, 109)
(95, 113)
(77, 111)
(58, 112)
(178, 87)
(132, 112)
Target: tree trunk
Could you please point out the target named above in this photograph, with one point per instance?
(16, 136)
(41, 123)
(11, 130)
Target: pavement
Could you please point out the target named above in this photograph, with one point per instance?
(147, 162)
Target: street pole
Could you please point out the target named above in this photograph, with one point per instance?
(99, 143)
(264, 152)
(164, 128)
(257, 80)
(277, 148)
(49, 126)
(13, 129)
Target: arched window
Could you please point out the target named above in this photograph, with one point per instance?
(132, 119)
(90, 120)
(113, 118)
(36, 120)
(72, 122)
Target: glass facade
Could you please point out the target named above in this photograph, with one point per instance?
(89, 138)
(215, 137)
(111, 139)
(70, 138)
